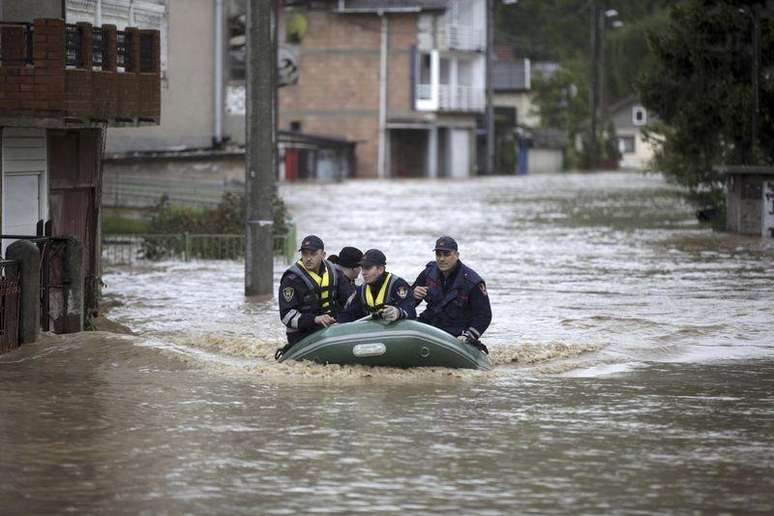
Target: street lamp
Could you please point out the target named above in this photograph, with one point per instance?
(598, 24)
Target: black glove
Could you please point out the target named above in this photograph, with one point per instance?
(470, 339)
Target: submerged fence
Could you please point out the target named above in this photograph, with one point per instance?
(9, 305)
(130, 249)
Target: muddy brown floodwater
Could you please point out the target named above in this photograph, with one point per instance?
(634, 357)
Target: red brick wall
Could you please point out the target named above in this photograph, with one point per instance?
(403, 36)
(337, 94)
(47, 89)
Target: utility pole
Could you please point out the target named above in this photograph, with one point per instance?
(260, 146)
(490, 122)
(602, 74)
(594, 93)
(756, 58)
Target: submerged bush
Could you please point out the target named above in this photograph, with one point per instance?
(227, 218)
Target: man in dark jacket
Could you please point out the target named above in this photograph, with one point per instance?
(309, 292)
(383, 293)
(456, 296)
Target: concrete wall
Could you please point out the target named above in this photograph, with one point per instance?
(186, 92)
(544, 161)
(28, 10)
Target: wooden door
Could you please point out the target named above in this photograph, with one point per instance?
(75, 177)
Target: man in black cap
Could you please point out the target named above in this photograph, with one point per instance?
(309, 292)
(349, 263)
(456, 297)
(383, 293)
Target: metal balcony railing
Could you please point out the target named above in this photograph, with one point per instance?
(455, 36)
(17, 47)
(453, 98)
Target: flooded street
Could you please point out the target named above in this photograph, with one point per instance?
(633, 353)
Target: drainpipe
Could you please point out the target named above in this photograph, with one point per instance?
(98, 14)
(382, 155)
(217, 101)
(490, 125)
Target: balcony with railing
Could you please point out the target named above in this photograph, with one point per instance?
(80, 73)
(444, 97)
(466, 38)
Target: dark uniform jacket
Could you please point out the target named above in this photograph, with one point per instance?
(302, 298)
(455, 304)
(388, 290)
(348, 285)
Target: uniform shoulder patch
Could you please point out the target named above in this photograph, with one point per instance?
(482, 288)
(288, 293)
(402, 292)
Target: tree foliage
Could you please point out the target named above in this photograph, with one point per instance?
(560, 31)
(701, 88)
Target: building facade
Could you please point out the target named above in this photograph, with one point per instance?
(749, 199)
(61, 86)
(405, 80)
(629, 118)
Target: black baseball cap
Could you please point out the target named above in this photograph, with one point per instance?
(350, 257)
(373, 257)
(312, 243)
(445, 243)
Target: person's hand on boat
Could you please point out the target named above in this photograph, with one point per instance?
(420, 292)
(467, 338)
(324, 320)
(390, 313)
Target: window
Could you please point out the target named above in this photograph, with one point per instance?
(639, 116)
(295, 126)
(626, 144)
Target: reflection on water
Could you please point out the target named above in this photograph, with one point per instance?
(633, 354)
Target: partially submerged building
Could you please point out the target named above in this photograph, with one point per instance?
(61, 86)
(630, 118)
(404, 79)
(749, 200)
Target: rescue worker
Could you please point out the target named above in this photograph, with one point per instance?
(309, 292)
(383, 294)
(456, 296)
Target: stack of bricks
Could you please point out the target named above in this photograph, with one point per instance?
(47, 88)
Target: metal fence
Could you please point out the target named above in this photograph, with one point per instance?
(52, 257)
(131, 249)
(9, 305)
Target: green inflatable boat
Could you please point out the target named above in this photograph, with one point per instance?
(377, 343)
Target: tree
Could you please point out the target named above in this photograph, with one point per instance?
(701, 89)
(559, 31)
